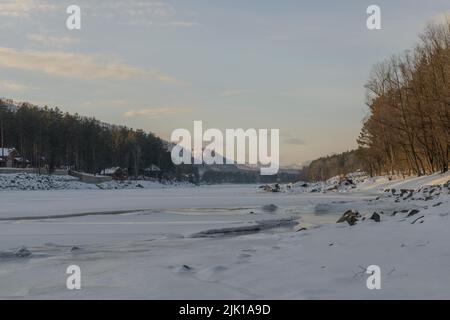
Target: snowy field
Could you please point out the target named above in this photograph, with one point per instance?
(230, 242)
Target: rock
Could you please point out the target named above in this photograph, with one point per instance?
(375, 217)
(184, 269)
(350, 216)
(412, 212)
(419, 218)
(304, 185)
(269, 208)
(409, 192)
(268, 188)
(22, 252)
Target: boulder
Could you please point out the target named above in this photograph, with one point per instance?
(304, 185)
(350, 216)
(376, 217)
(22, 252)
(269, 188)
(269, 208)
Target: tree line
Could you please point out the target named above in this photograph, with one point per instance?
(407, 130)
(50, 138)
(330, 166)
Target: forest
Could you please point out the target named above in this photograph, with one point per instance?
(50, 138)
(407, 130)
(330, 166)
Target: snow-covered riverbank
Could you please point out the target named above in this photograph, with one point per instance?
(34, 182)
(155, 251)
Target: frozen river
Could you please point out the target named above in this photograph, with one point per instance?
(99, 216)
(225, 242)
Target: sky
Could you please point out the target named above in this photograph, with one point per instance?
(297, 66)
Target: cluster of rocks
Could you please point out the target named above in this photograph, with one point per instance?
(425, 193)
(31, 181)
(353, 216)
(271, 188)
(343, 183)
(335, 184)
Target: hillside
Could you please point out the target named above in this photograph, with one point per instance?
(50, 138)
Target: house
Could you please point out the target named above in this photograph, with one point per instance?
(8, 157)
(8, 105)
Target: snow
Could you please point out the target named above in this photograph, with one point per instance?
(31, 181)
(221, 242)
(361, 182)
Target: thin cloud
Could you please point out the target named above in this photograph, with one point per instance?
(116, 102)
(294, 141)
(233, 93)
(155, 113)
(178, 24)
(49, 41)
(71, 65)
(149, 13)
(23, 8)
(12, 86)
(138, 7)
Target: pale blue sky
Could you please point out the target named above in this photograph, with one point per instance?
(299, 66)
